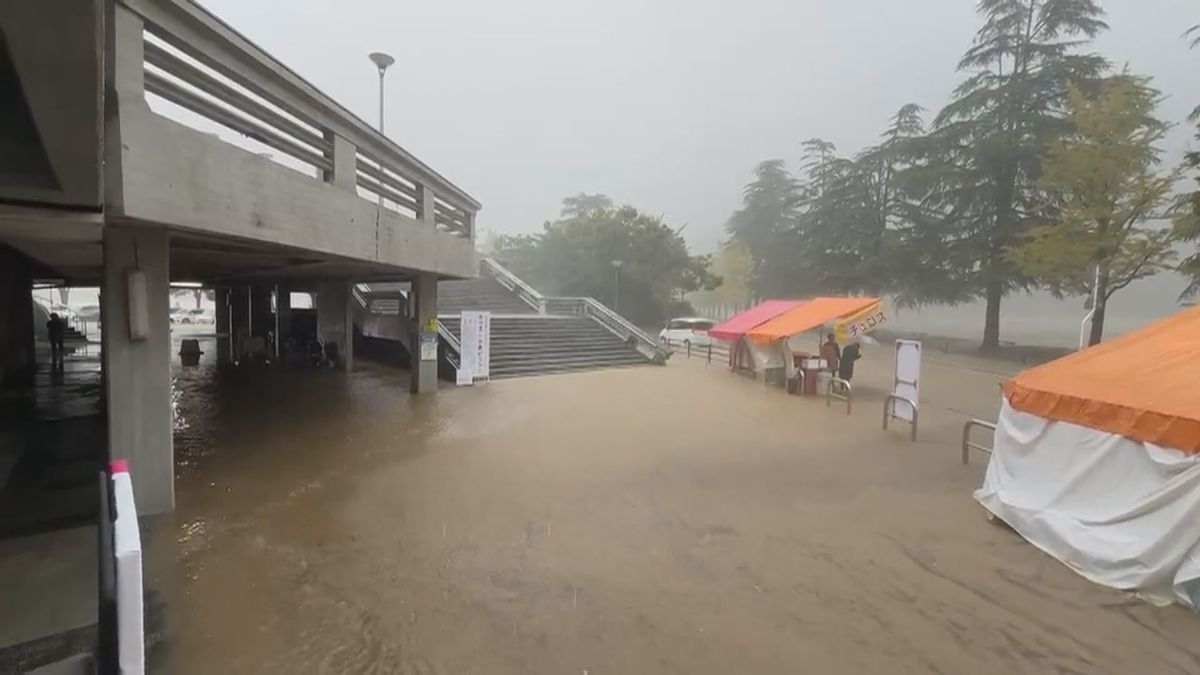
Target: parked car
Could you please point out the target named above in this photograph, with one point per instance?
(689, 330)
(178, 314)
(196, 316)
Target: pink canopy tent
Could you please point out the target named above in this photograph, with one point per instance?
(743, 322)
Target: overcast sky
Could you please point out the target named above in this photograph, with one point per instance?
(663, 104)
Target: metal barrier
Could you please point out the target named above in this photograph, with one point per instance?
(800, 382)
(968, 444)
(846, 393)
(705, 352)
(887, 412)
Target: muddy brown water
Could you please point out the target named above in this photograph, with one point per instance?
(646, 520)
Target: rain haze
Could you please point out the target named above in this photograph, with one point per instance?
(664, 105)
(669, 105)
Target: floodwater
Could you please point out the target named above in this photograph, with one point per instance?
(646, 520)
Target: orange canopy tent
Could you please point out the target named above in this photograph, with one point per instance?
(812, 314)
(1143, 385)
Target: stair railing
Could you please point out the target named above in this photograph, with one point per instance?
(528, 294)
(360, 291)
(587, 307)
(617, 325)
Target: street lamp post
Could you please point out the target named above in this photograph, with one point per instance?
(382, 61)
(617, 285)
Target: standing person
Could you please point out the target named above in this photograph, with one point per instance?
(55, 330)
(831, 353)
(846, 366)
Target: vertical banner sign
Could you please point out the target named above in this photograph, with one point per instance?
(429, 340)
(476, 336)
(906, 381)
(483, 353)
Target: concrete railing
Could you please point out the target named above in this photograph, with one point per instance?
(198, 62)
(528, 294)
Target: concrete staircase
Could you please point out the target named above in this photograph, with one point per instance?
(538, 345)
(573, 334)
(482, 294)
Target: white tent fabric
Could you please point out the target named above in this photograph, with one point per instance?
(1119, 512)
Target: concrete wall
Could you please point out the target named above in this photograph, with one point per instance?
(16, 319)
(207, 185)
(138, 372)
(50, 104)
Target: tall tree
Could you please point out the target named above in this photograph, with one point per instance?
(995, 131)
(583, 203)
(1187, 212)
(1104, 187)
(574, 256)
(860, 208)
(765, 225)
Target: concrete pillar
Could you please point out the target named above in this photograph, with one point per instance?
(239, 321)
(345, 164)
(426, 203)
(424, 377)
(283, 318)
(17, 358)
(263, 317)
(221, 327)
(138, 371)
(335, 319)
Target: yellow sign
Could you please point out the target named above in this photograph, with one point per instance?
(431, 325)
(859, 324)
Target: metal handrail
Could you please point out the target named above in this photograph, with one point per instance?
(705, 351)
(968, 444)
(887, 413)
(622, 328)
(846, 394)
(512, 282)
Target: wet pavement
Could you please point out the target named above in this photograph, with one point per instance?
(665, 520)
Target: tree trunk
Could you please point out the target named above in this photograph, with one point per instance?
(994, 293)
(1097, 330)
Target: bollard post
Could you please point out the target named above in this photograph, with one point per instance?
(688, 344)
(709, 354)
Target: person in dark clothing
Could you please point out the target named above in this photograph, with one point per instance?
(831, 353)
(846, 365)
(56, 330)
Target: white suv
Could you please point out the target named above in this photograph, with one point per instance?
(689, 330)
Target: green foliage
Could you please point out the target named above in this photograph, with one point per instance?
(574, 256)
(1102, 184)
(765, 226)
(846, 225)
(733, 265)
(1187, 210)
(990, 139)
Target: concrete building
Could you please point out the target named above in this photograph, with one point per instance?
(99, 189)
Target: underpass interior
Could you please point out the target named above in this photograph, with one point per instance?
(252, 310)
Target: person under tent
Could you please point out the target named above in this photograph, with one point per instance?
(850, 354)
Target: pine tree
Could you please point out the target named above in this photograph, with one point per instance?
(765, 226)
(993, 136)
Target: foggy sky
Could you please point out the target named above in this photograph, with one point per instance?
(663, 104)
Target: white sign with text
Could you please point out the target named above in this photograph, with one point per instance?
(474, 363)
